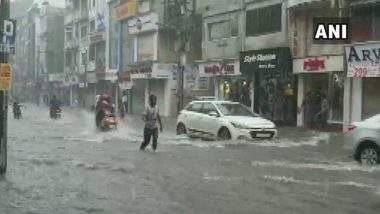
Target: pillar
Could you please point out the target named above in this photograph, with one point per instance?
(347, 103)
(300, 98)
(356, 100)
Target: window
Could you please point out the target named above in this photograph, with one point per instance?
(84, 58)
(196, 107)
(143, 6)
(92, 52)
(145, 49)
(76, 30)
(365, 24)
(220, 30)
(208, 107)
(228, 109)
(83, 31)
(92, 26)
(264, 20)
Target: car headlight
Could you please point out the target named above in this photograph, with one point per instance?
(240, 126)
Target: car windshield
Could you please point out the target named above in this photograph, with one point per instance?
(235, 109)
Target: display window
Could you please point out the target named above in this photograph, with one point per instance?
(237, 90)
(330, 86)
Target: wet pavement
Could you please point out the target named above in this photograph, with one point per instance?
(66, 166)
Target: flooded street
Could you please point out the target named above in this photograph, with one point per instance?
(66, 166)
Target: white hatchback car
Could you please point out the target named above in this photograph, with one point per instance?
(362, 140)
(223, 120)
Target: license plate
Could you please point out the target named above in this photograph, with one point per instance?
(112, 126)
(262, 135)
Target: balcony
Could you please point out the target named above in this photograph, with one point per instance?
(71, 43)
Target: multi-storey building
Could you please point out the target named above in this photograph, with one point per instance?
(362, 79)
(26, 54)
(76, 47)
(149, 50)
(319, 67)
(50, 54)
(85, 50)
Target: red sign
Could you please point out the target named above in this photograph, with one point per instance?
(96, 38)
(314, 64)
(220, 69)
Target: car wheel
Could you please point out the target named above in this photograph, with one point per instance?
(369, 154)
(224, 134)
(181, 129)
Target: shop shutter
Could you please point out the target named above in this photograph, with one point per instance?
(371, 97)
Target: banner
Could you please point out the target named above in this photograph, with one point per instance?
(363, 60)
(5, 77)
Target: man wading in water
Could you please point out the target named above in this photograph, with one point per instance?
(151, 116)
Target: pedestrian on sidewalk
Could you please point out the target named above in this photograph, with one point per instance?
(151, 116)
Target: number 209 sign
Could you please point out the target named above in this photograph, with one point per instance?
(363, 60)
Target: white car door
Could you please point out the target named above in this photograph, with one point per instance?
(209, 124)
(192, 117)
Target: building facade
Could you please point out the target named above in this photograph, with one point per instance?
(362, 63)
(319, 68)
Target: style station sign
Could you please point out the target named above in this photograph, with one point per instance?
(320, 64)
(363, 60)
(219, 69)
(265, 60)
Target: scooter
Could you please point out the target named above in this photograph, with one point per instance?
(55, 113)
(108, 122)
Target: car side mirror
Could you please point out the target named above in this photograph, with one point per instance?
(213, 114)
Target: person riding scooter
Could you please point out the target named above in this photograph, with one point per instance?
(55, 105)
(103, 107)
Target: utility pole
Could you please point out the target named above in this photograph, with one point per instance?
(179, 18)
(4, 15)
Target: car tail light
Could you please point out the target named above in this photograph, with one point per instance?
(350, 128)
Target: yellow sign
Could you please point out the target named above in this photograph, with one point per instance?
(126, 10)
(5, 77)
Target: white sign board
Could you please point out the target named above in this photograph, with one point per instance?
(219, 69)
(363, 60)
(7, 43)
(143, 23)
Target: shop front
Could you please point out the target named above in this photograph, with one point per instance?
(273, 86)
(228, 82)
(157, 80)
(363, 73)
(318, 78)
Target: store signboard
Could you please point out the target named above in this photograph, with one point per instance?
(126, 10)
(321, 64)
(363, 60)
(5, 77)
(143, 23)
(8, 40)
(219, 69)
(265, 60)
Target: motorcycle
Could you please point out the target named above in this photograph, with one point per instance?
(55, 113)
(107, 121)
